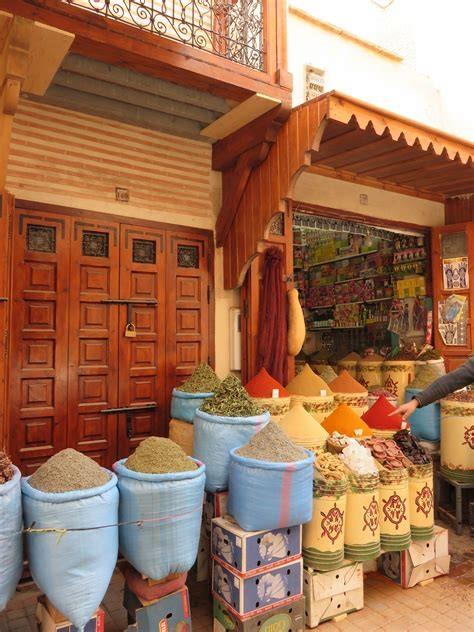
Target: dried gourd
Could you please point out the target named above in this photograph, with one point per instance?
(296, 324)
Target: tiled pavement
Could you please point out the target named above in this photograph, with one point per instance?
(445, 604)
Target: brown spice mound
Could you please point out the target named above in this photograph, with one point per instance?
(68, 471)
(157, 455)
(6, 469)
(272, 444)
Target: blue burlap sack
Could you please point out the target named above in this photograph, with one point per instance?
(184, 405)
(214, 438)
(11, 539)
(170, 506)
(265, 495)
(73, 568)
(424, 422)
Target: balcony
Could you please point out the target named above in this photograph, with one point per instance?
(232, 29)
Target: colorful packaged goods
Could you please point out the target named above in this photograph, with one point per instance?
(347, 422)
(309, 389)
(457, 436)
(303, 429)
(380, 419)
(348, 391)
(267, 393)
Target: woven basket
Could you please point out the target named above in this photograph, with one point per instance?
(359, 402)
(395, 533)
(319, 407)
(182, 433)
(362, 532)
(276, 406)
(457, 440)
(323, 536)
(396, 376)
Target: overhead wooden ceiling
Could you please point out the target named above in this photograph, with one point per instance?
(364, 144)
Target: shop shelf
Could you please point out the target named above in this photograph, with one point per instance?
(357, 254)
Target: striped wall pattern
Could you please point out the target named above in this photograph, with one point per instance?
(77, 160)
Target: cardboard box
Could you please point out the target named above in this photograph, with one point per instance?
(257, 592)
(330, 594)
(168, 614)
(251, 551)
(286, 618)
(217, 504)
(48, 622)
(421, 561)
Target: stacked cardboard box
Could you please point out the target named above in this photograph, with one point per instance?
(256, 576)
(215, 506)
(49, 619)
(171, 613)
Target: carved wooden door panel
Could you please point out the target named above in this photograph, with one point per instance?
(93, 339)
(187, 307)
(142, 356)
(39, 338)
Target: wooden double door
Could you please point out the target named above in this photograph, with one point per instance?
(106, 317)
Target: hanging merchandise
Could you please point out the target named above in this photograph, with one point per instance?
(272, 318)
(347, 422)
(456, 273)
(349, 363)
(303, 429)
(381, 420)
(161, 491)
(11, 538)
(192, 393)
(296, 323)
(309, 389)
(270, 482)
(457, 436)
(227, 420)
(408, 317)
(72, 561)
(269, 394)
(348, 391)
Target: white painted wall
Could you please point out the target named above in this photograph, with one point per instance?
(316, 189)
(429, 84)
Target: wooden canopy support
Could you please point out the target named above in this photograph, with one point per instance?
(343, 138)
(30, 55)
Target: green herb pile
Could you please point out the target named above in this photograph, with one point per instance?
(203, 380)
(231, 400)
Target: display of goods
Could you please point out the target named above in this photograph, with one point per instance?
(308, 384)
(157, 455)
(193, 392)
(347, 422)
(358, 459)
(160, 513)
(377, 391)
(411, 448)
(387, 453)
(231, 400)
(336, 442)
(330, 467)
(457, 436)
(425, 376)
(318, 407)
(6, 468)
(348, 391)
(182, 433)
(381, 419)
(151, 590)
(325, 371)
(369, 370)
(215, 436)
(11, 522)
(269, 394)
(397, 375)
(323, 536)
(404, 354)
(349, 363)
(267, 495)
(72, 561)
(303, 429)
(67, 471)
(271, 444)
(362, 524)
(395, 532)
(424, 422)
(430, 354)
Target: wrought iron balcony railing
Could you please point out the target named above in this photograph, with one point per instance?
(229, 28)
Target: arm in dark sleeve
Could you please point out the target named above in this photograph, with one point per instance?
(448, 383)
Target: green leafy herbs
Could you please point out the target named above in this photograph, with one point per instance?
(203, 380)
(231, 400)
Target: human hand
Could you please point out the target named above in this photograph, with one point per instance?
(405, 410)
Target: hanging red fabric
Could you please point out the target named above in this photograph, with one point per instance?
(273, 317)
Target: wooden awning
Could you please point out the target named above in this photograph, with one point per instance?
(340, 137)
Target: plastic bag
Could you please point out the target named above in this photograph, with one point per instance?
(215, 436)
(266, 495)
(425, 422)
(11, 539)
(73, 568)
(170, 506)
(184, 405)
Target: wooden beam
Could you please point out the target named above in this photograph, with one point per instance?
(348, 176)
(240, 115)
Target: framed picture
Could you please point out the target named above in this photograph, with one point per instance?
(456, 273)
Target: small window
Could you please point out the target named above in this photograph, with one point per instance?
(144, 251)
(41, 238)
(188, 257)
(95, 244)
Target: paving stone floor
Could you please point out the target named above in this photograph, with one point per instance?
(445, 604)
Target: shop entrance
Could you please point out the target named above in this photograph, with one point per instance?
(106, 318)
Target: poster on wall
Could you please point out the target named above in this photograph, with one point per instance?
(452, 320)
(408, 317)
(455, 273)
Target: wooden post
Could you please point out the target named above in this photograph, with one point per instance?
(6, 209)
